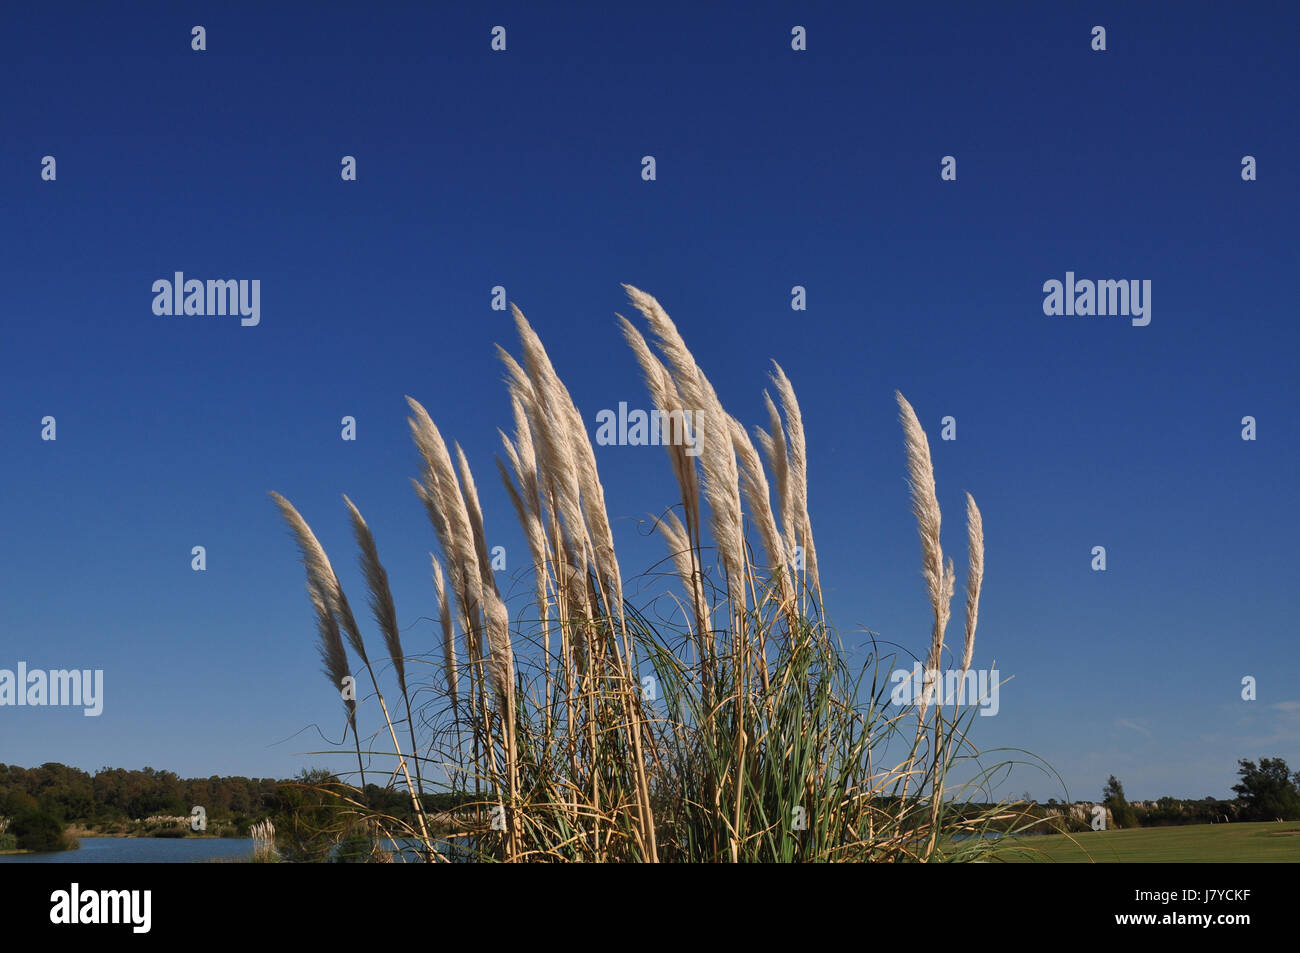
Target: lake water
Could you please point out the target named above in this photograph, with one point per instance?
(143, 850)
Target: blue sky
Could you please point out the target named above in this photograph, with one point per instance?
(774, 168)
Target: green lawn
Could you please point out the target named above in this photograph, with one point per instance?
(1200, 843)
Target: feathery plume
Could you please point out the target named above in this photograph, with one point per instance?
(571, 431)
(666, 397)
(381, 597)
(501, 662)
(319, 569)
(774, 448)
(475, 514)
(717, 456)
(385, 613)
(975, 578)
(797, 456)
(679, 548)
(452, 523)
(334, 658)
(555, 455)
(448, 635)
(530, 520)
(925, 506)
(758, 495)
(321, 585)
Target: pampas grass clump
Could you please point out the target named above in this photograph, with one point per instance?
(578, 728)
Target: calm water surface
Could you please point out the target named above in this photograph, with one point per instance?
(143, 850)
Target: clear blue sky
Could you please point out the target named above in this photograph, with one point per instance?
(775, 168)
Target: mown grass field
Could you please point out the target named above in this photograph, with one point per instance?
(1202, 843)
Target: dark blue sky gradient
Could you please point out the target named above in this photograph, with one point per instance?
(775, 168)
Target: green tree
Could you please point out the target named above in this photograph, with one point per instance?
(1267, 791)
(1121, 811)
(15, 803)
(307, 817)
(38, 830)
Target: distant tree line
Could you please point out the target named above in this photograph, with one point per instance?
(1266, 791)
(114, 799)
(37, 805)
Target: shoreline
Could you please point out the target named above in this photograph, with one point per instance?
(80, 832)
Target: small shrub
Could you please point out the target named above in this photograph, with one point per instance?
(39, 831)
